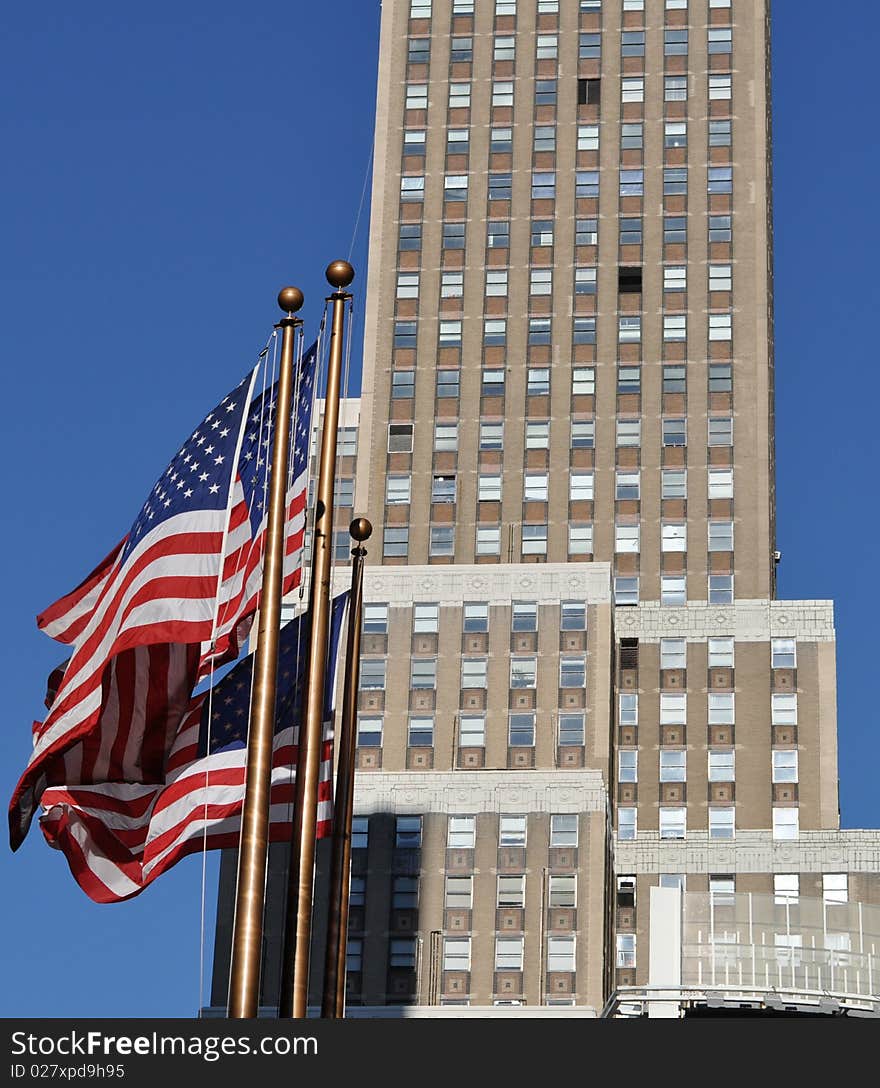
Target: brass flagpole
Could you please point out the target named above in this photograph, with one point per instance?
(298, 921)
(333, 1003)
(247, 937)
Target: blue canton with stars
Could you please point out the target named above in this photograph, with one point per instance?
(228, 711)
(259, 436)
(199, 476)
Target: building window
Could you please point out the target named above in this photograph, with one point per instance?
(675, 181)
(375, 618)
(673, 536)
(585, 232)
(630, 231)
(360, 829)
(474, 672)
(397, 490)
(786, 888)
(627, 765)
(629, 329)
(720, 40)
(534, 539)
(489, 488)
(420, 733)
(783, 653)
(472, 731)
(523, 672)
(502, 93)
(423, 673)
(675, 88)
(632, 90)
(675, 327)
(783, 709)
(719, 134)
(786, 823)
(673, 708)
(721, 708)
(632, 43)
(675, 134)
(583, 434)
(675, 230)
(512, 830)
(498, 237)
(585, 281)
(675, 277)
(675, 43)
(720, 228)
(461, 832)
(720, 589)
(572, 672)
(720, 326)
(626, 590)
(674, 432)
(626, 539)
(372, 674)
(456, 953)
(721, 431)
(589, 46)
(722, 766)
(720, 536)
(535, 486)
(407, 285)
(521, 733)
(496, 282)
(674, 379)
(541, 281)
(586, 183)
(721, 822)
(354, 954)
(475, 617)
(626, 823)
(673, 653)
(626, 950)
(626, 485)
(448, 382)
(414, 142)
(785, 766)
(560, 954)
(673, 483)
(405, 896)
(835, 888)
(403, 384)
(562, 890)
(583, 381)
(491, 435)
(564, 830)
(508, 953)
(412, 189)
(459, 893)
(405, 334)
(632, 182)
(588, 138)
(416, 96)
(488, 540)
(410, 236)
(369, 730)
(580, 539)
(721, 653)
(673, 766)
(628, 713)
(629, 432)
(571, 730)
(459, 96)
(631, 136)
(673, 823)
(673, 590)
(720, 87)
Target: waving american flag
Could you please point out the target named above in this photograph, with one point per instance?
(118, 836)
(172, 600)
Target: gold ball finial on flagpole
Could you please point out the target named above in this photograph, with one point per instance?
(339, 274)
(361, 530)
(290, 299)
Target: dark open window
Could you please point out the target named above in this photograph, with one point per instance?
(629, 281)
(588, 92)
(629, 653)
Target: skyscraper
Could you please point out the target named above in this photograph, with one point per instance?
(578, 684)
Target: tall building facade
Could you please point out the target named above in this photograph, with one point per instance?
(584, 716)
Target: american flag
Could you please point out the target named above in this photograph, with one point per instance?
(173, 599)
(118, 836)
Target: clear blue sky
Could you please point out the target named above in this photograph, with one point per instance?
(167, 167)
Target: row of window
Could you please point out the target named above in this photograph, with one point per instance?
(721, 705)
(536, 488)
(461, 831)
(628, 432)
(475, 617)
(421, 9)
(542, 234)
(673, 587)
(471, 730)
(632, 44)
(722, 822)
(474, 672)
(632, 138)
(721, 766)
(722, 889)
